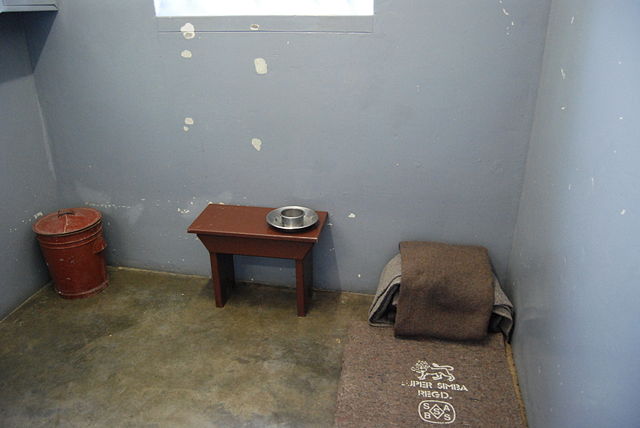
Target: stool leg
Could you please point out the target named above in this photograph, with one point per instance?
(304, 272)
(222, 276)
(308, 275)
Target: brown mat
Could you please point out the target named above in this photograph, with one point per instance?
(390, 382)
(447, 291)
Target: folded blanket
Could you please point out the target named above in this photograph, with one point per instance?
(447, 291)
(383, 309)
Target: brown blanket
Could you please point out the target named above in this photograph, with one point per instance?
(447, 291)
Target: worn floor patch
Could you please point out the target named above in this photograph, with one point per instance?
(409, 383)
(152, 350)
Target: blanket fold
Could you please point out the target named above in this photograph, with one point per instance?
(447, 291)
(382, 312)
(383, 309)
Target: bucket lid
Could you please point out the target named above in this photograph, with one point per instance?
(66, 221)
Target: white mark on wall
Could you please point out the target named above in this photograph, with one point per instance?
(573, 19)
(570, 186)
(254, 27)
(30, 219)
(185, 128)
(226, 196)
(87, 194)
(186, 54)
(261, 65)
(510, 27)
(359, 275)
(397, 164)
(134, 213)
(188, 31)
(107, 205)
(620, 117)
(505, 12)
(183, 211)
(563, 108)
(256, 143)
(564, 75)
(623, 212)
(351, 215)
(188, 121)
(593, 182)
(619, 62)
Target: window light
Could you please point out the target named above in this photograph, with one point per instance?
(263, 7)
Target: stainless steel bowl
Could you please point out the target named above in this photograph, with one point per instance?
(292, 218)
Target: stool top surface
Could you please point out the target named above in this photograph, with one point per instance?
(249, 222)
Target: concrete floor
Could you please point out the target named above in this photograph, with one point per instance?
(153, 350)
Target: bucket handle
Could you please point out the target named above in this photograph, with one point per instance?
(99, 245)
(65, 212)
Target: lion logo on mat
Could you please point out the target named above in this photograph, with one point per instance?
(437, 372)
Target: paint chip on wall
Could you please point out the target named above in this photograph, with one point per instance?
(261, 65)
(186, 54)
(188, 121)
(256, 143)
(351, 215)
(188, 31)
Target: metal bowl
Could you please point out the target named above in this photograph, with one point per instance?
(292, 218)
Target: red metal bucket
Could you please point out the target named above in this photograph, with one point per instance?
(72, 243)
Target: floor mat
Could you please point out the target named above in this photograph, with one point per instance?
(389, 382)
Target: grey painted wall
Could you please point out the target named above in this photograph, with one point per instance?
(28, 181)
(419, 128)
(574, 264)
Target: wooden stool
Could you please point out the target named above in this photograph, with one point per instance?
(227, 230)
